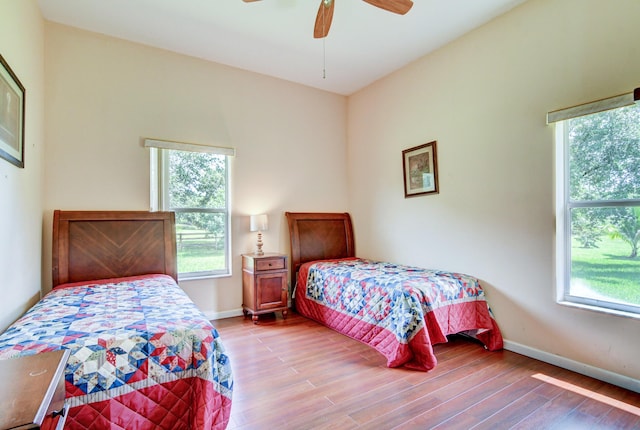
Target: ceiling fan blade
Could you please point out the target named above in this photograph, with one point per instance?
(323, 19)
(396, 6)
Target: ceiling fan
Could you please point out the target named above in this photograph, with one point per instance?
(325, 12)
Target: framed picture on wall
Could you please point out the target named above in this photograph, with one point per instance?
(420, 168)
(11, 116)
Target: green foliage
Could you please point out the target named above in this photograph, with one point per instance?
(604, 155)
(604, 164)
(625, 225)
(586, 227)
(198, 181)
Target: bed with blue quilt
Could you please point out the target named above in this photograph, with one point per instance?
(142, 355)
(399, 310)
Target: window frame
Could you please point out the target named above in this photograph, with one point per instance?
(159, 195)
(564, 205)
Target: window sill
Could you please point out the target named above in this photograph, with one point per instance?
(198, 278)
(599, 309)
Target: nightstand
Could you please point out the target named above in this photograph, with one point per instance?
(264, 284)
(33, 389)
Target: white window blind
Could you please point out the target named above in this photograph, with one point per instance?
(594, 107)
(193, 147)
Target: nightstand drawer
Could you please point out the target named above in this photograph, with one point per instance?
(270, 264)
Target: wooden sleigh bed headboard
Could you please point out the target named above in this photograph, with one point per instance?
(91, 245)
(318, 236)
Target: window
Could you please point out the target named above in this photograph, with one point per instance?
(193, 182)
(598, 204)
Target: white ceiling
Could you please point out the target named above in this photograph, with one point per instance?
(275, 37)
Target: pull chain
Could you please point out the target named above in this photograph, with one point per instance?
(324, 50)
(324, 60)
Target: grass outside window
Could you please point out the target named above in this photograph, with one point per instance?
(605, 272)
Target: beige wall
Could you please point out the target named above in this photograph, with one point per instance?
(484, 99)
(104, 96)
(21, 45)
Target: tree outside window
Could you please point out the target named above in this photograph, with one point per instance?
(602, 208)
(194, 185)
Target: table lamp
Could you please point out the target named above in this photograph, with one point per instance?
(259, 223)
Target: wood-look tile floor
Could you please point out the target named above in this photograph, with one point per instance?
(297, 374)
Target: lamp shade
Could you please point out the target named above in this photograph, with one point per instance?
(259, 222)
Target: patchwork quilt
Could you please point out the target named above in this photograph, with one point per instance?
(142, 354)
(401, 311)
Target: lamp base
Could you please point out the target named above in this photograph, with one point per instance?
(259, 245)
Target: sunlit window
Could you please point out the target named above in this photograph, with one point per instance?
(195, 185)
(598, 208)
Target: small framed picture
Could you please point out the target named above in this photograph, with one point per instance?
(420, 168)
(11, 116)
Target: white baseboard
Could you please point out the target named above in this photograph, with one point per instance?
(575, 366)
(211, 315)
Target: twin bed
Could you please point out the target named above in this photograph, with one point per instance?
(400, 311)
(141, 354)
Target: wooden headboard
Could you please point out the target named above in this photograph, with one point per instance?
(91, 245)
(318, 236)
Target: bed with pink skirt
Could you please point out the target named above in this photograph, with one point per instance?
(399, 310)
